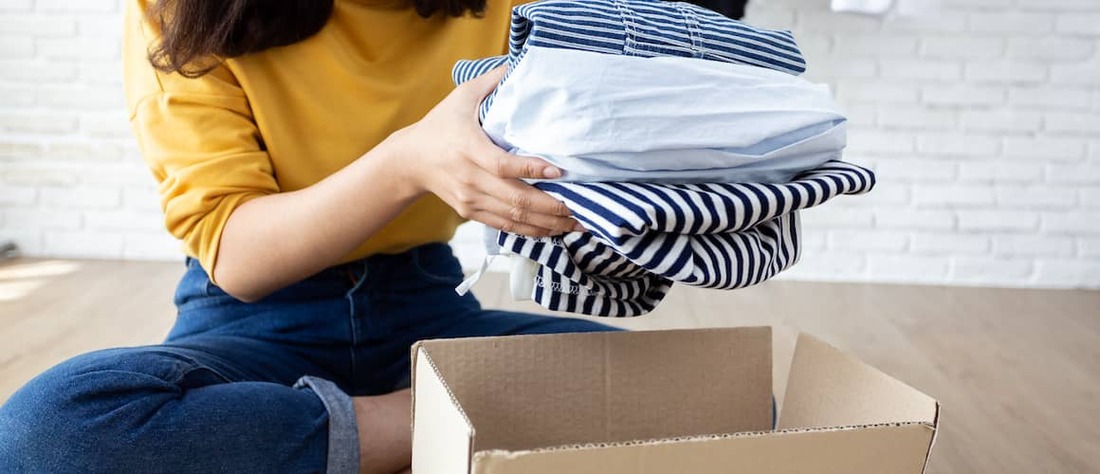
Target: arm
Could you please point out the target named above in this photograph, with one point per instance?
(277, 239)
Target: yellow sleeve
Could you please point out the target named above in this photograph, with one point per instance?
(199, 139)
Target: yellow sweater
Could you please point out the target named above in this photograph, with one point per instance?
(286, 118)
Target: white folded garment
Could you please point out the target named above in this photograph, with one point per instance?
(619, 118)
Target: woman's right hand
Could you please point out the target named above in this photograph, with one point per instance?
(447, 153)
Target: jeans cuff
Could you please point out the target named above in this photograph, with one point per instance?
(343, 437)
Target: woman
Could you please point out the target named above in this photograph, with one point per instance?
(314, 159)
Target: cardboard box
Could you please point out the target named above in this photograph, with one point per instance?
(659, 402)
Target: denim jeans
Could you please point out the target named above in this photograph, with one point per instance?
(261, 387)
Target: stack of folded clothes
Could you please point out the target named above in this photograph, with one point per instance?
(688, 142)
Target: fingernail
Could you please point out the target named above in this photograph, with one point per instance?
(578, 227)
(551, 172)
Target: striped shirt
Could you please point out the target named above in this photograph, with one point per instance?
(643, 237)
(650, 28)
(645, 28)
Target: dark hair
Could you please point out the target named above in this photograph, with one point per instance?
(197, 34)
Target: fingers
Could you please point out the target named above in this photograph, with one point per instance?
(506, 165)
(526, 198)
(551, 224)
(523, 204)
(520, 208)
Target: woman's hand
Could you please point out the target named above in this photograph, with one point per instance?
(446, 153)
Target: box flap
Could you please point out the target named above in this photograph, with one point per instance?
(886, 449)
(442, 435)
(830, 388)
(526, 392)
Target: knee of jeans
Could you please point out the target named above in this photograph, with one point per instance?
(82, 408)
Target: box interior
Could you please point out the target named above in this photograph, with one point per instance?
(607, 387)
(828, 388)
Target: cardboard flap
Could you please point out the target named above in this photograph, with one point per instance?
(827, 387)
(442, 435)
(892, 449)
(525, 392)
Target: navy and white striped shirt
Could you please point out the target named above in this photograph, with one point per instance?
(645, 28)
(650, 28)
(642, 237)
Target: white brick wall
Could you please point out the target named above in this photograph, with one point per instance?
(71, 181)
(983, 125)
(984, 130)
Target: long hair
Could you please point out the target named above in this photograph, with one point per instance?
(197, 34)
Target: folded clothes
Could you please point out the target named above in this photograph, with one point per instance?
(688, 143)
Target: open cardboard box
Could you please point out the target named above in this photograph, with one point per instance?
(659, 402)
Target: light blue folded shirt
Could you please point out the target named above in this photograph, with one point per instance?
(619, 118)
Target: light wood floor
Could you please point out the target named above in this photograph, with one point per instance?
(1017, 371)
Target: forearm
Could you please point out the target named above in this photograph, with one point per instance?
(273, 241)
(276, 240)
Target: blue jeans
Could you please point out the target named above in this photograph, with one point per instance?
(261, 387)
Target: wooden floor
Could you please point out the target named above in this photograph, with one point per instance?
(1017, 371)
